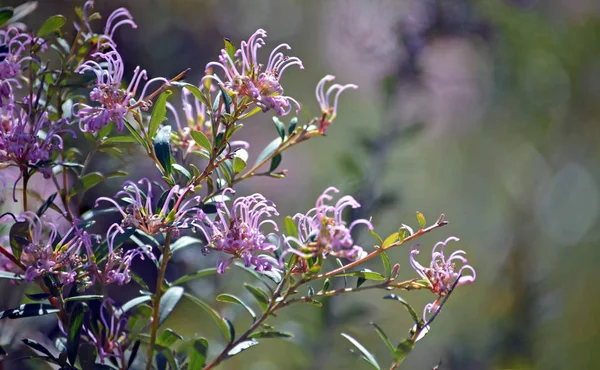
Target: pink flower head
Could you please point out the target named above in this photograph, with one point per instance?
(110, 337)
(324, 98)
(260, 83)
(118, 18)
(142, 214)
(239, 232)
(443, 273)
(113, 101)
(322, 230)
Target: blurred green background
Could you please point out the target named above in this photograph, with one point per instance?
(486, 111)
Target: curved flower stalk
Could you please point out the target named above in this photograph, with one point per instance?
(239, 232)
(110, 337)
(116, 19)
(443, 273)
(247, 78)
(325, 97)
(117, 268)
(114, 101)
(24, 143)
(50, 253)
(14, 46)
(142, 214)
(322, 230)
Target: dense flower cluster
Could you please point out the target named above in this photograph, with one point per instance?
(322, 230)
(246, 77)
(239, 232)
(443, 274)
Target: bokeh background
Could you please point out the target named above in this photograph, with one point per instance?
(487, 111)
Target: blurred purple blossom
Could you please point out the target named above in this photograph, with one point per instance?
(238, 232)
(110, 337)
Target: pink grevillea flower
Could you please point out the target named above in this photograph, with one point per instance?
(24, 143)
(109, 336)
(117, 268)
(114, 101)
(175, 213)
(322, 230)
(118, 18)
(46, 252)
(239, 234)
(246, 77)
(325, 97)
(443, 273)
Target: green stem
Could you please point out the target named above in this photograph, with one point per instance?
(157, 296)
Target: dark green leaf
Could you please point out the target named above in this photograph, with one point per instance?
(195, 275)
(19, 238)
(120, 139)
(159, 113)
(201, 140)
(135, 302)
(2, 351)
(199, 350)
(385, 339)
(365, 354)
(311, 291)
(182, 170)
(52, 24)
(213, 314)
(88, 181)
(46, 205)
(275, 162)
(91, 297)
(38, 296)
(280, 127)
(226, 99)
(184, 242)
(38, 347)
(168, 302)
(261, 297)
(229, 298)
(104, 131)
(241, 347)
(134, 132)
(326, 284)
(268, 150)
(377, 237)
(10, 275)
(195, 91)
(87, 356)
(410, 310)
(293, 123)
(5, 15)
(403, 350)
(76, 324)
(369, 275)
(28, 310)
(162, 148)
(167, 338)
(387, 266)
(270, 334)
(134, 351)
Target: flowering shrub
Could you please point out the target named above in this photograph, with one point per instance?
(45, 103)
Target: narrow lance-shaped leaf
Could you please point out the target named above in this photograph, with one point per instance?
(230, 298)
(261, 297)
(28, 310)
(385, 339)
(408, 307)
(213, 314)
(241, 347)
(76, 323)
(162, 148)
(5, 15)
(159, 113)
(168, 302)
(365, 354)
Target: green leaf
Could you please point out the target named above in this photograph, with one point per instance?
(38, 347)
(390, 240)
(199, 351)
(19, 238)
(120, 139)
(184, 242)
(293, 123)
(239, 161)
(28, 310)
(387, 266)
(280, 127)
(241, 347)
(38, 296)
(134, 351)
(365, 355)
(134, 132)
(410, 310)
(230, 298)
(76, 324)
(168, 302)
(52, 24)
(270, 334)
(10, 275)
(421, 219)
(162, 148)
(104, 131)
(326, 284)
(268, 150)
(403, 350)
(261, 297)
(226, 99)
(135, 302)
(167, 338)
(385, 339)
(84, 298)
(213, 314)
(182, 170)
(87, 182)
(195, 91)
(377, 237)
(201, 273)
(201, 140)
(229, 48)
(5, 15)
(366, 274)
(23, 10)
(275, 162)
(159, 113)
(46, 205)
(290, 227)
(87, 356)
